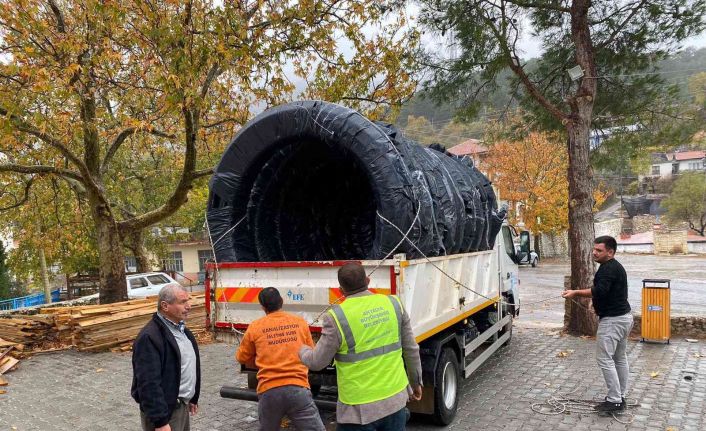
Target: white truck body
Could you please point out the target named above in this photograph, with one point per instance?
(440, 294)
(433, 300)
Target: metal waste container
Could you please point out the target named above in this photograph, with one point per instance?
(656, 316)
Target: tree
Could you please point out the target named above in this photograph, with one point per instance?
(96, 93)
(604, 40)
(531, 171)
(5, 286)
(687, 201)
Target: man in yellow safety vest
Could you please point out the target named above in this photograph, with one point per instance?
(370, 337)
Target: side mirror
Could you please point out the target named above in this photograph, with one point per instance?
(524, 242)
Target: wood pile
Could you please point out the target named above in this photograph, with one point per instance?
(102, 327)
(7, 362)
(91, 327)
(27, 329)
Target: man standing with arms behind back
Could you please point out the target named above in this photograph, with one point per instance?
(371, 339)
(610, 301)
(165, 362)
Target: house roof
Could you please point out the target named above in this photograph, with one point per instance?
(690, 155)
(469, 147)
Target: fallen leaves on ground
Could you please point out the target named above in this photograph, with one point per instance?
(564, 353)
(654, 374)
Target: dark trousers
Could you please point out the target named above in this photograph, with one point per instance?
(295, 402)
(394, 422)
(179, 420)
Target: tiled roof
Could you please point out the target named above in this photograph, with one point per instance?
(690, 155)
(469, 147)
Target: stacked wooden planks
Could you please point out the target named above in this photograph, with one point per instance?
(102, 327)
(27, 329)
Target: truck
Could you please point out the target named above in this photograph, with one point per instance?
(461, 308)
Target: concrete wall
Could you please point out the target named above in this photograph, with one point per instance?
(636, 248)
(689, 326)
(557, 245)
(643, 223)
(668, 241)
(609, 227)
(554, 245)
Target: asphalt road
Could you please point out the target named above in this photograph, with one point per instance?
(687, 275)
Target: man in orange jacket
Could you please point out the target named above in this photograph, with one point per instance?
(272, 344)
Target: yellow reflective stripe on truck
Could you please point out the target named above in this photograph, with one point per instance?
(455, 320)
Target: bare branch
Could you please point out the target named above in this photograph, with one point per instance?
(539, 5)
(25, 198)
(122, 136)
(203, 173)
(39, 169)
(60, 24)
(25, 127)
(621, 26)
(212, 74)
(516, 67)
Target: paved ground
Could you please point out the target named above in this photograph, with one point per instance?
(688, 275)
(78, 391)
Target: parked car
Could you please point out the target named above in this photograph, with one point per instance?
(147, 284)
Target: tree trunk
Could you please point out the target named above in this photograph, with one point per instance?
(45, 275)
(579, 317)
(111, 267)
(135, 241)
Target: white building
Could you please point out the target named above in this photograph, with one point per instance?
(665, 165)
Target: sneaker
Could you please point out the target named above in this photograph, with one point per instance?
(609, 406)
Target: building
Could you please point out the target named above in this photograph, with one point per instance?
(185, 259)
(471, 148)
(665, 165)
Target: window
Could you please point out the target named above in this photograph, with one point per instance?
(157, 279)
(655, 169)
(130, 264)
(204, 256)
(675, 168)
(509, 246)
(173, 262)
(136, 283)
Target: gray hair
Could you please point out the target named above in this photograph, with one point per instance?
(168, 294)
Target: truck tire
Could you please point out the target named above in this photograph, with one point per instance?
(448, 378)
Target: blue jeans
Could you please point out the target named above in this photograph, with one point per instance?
(394, 422)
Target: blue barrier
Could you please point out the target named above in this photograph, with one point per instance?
(27, 301)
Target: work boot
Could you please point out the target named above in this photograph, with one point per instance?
(609, 406)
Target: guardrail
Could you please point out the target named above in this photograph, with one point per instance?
(27, 301)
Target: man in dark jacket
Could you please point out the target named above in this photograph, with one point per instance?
(166, 366)
(610, 300)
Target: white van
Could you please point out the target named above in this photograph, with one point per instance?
(147, 284)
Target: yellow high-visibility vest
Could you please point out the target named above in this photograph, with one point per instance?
(369, 364)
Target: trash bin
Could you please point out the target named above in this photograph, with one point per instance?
(656, 316)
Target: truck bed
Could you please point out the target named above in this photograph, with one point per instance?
(432, 299)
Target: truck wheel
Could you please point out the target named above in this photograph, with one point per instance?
(446, 390)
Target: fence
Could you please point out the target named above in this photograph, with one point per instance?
(27, 301)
